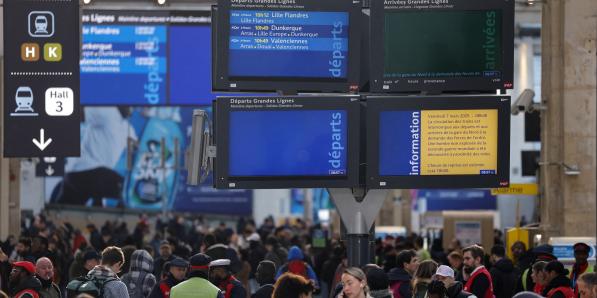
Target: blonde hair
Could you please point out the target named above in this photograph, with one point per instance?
(359, 275)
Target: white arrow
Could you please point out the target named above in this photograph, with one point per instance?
(49, 170)
(42, 143)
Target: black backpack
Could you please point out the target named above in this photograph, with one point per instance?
(88, 284)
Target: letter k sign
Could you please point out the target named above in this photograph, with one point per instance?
(52, 52)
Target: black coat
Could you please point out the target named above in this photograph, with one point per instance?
(504, 277)
(264, 291)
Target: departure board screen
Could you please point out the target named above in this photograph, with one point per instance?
(316, 146)
(304, 44)
(145, 58)
(287, 141)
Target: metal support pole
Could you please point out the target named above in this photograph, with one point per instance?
(358, 217)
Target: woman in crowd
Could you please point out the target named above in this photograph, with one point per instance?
(291, 285)
(422, 278)
(354, 284)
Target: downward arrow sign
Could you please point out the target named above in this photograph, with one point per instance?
(42, 143)
(49, 170)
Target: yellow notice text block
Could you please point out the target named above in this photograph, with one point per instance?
(459, 142)
(530, 189)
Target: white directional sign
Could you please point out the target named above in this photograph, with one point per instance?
(41, 79)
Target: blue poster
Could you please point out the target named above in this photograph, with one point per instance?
(153, 142)
(399, 143)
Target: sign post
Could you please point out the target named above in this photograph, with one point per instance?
(41, 78)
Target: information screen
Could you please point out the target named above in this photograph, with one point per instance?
(317, 146)
(438, 142)
(305, 44)
(443, 44)
(146, 58)
(285, 142)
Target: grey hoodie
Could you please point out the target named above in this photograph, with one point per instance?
(140, 279)
(115, 288)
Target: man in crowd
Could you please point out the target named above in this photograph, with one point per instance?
(83, 264)
(198, 284)
(165, 256)
(503, 274)
(174, 273)
(401, 275)
(110, 266)
(479, 279)
(266, 271)
(22, 251)
(221, 276)
(454, 288)
(22, 282)
(44, 271)
(581, 255)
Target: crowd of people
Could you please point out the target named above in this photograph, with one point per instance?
(183, 257)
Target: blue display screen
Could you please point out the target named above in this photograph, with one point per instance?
(146, 65)
(303, 44)
(288, 143)
(396, 139)
(123, 64)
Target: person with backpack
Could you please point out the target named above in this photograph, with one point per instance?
(297, 265)
(558, 283)
(401, 275)
(140, 279)
(102, 280)
(198, 285)
(173, 273)
(22, 283)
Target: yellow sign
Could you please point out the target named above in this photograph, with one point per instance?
(517, 189)
(459, 142)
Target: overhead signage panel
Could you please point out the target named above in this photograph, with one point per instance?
(41, 77)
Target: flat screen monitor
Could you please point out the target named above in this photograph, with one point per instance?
(441, 45)
(146, 57)
(438, 142)
(287, 45)
(286, 142)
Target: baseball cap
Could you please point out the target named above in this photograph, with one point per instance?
(28, 266)
(200, 261)
(444, 271)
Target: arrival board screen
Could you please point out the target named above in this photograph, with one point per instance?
(288, 143)
(145, 58)
(438, 142)
(443, 43)
(299, 44)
